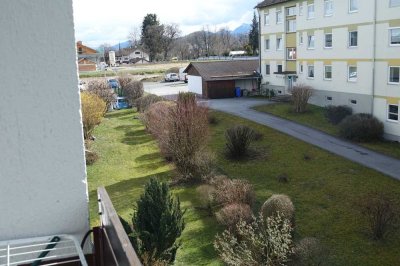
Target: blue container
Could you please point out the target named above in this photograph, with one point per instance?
(238, 92)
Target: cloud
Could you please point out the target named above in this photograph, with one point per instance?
(101, 21)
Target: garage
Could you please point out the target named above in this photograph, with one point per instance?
(219, 79)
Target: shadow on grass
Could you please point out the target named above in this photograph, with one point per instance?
(118, 114)
(125, 193)
(134, 136)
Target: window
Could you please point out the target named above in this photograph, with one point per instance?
(301, 38)
(310, 11)
(328, 72)
(328, 8)
(310, 73)
(279, 17)
(267, 69)
(353, 39)
(267, 44)
(301, 67)
(353, 6)
(279, 68)
(394, 74)
(279, 44)
(329, 98)
(80, 50)
(300, 9)
(266, 19)
(352, 73)
(394, 36)
(291, 25)
(291, 11)
(291, 54)
(311, 42)
(394, 3)
(393, 112)
(328, 40)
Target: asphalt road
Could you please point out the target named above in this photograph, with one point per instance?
(165, 88)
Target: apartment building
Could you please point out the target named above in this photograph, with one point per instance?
(347, 50)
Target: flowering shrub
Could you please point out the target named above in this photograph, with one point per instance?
(261, 242)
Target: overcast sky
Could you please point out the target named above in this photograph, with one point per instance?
(102, 21)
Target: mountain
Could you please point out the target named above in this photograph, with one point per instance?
(242, 29)
(121, 45)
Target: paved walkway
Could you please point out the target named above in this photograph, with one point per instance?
(241, 107)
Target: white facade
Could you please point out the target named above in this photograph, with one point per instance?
(195, 84)
(43, 187)
(350, 54)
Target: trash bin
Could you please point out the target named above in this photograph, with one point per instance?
(238, 92)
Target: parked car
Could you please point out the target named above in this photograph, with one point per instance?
(121, 103)
(182, 75)
(113, 83)
(171, 77)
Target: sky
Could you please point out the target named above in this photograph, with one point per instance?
(103, 21)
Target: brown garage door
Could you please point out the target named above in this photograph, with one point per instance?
(221, 89)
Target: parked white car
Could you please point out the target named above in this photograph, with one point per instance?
(171, 77)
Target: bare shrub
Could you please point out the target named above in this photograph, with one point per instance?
(217, 180)
(278, 204)
(261, 242)
(283, 178)
(204, 164)
(238, 140)
(335, 114)
(230, 215)
(131, 89)
(188, 134)
(205, 195)
(231, 191)
(144, 102)
(380, 212)
(310, 252)
(172, 70)
(361, 127)
(157, 122)
(91, 157)
(101, 89)
(300, 96)
(92, 112)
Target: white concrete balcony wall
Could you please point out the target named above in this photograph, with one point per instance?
(43, 187)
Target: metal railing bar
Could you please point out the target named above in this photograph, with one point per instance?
(36, 251)
(61, 262)
(40, 244)
(46, 258)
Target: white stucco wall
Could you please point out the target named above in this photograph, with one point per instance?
(195, 84)
(43, 189)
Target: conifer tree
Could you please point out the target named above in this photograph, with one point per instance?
(157, 223)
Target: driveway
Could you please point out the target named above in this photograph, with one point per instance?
(165, 88)
(241, 107)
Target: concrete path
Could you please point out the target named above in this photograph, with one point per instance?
(241, 107)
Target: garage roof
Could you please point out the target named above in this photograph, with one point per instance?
(225, 70)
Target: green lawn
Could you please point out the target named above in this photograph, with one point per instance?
(314, 117)
(323, 189)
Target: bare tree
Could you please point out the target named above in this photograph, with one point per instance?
(134, 36)
(170, 33)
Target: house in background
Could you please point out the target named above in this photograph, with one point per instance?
(347, 50)
(139, 56)
(88, 58)
(219, 79)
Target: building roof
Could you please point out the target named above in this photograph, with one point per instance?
(266, 3)
(225, 70)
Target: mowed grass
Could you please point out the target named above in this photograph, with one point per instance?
(129, 157)
(315, 118)
(324, 189)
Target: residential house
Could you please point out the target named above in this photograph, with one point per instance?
(88, 58)
(347, 50)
